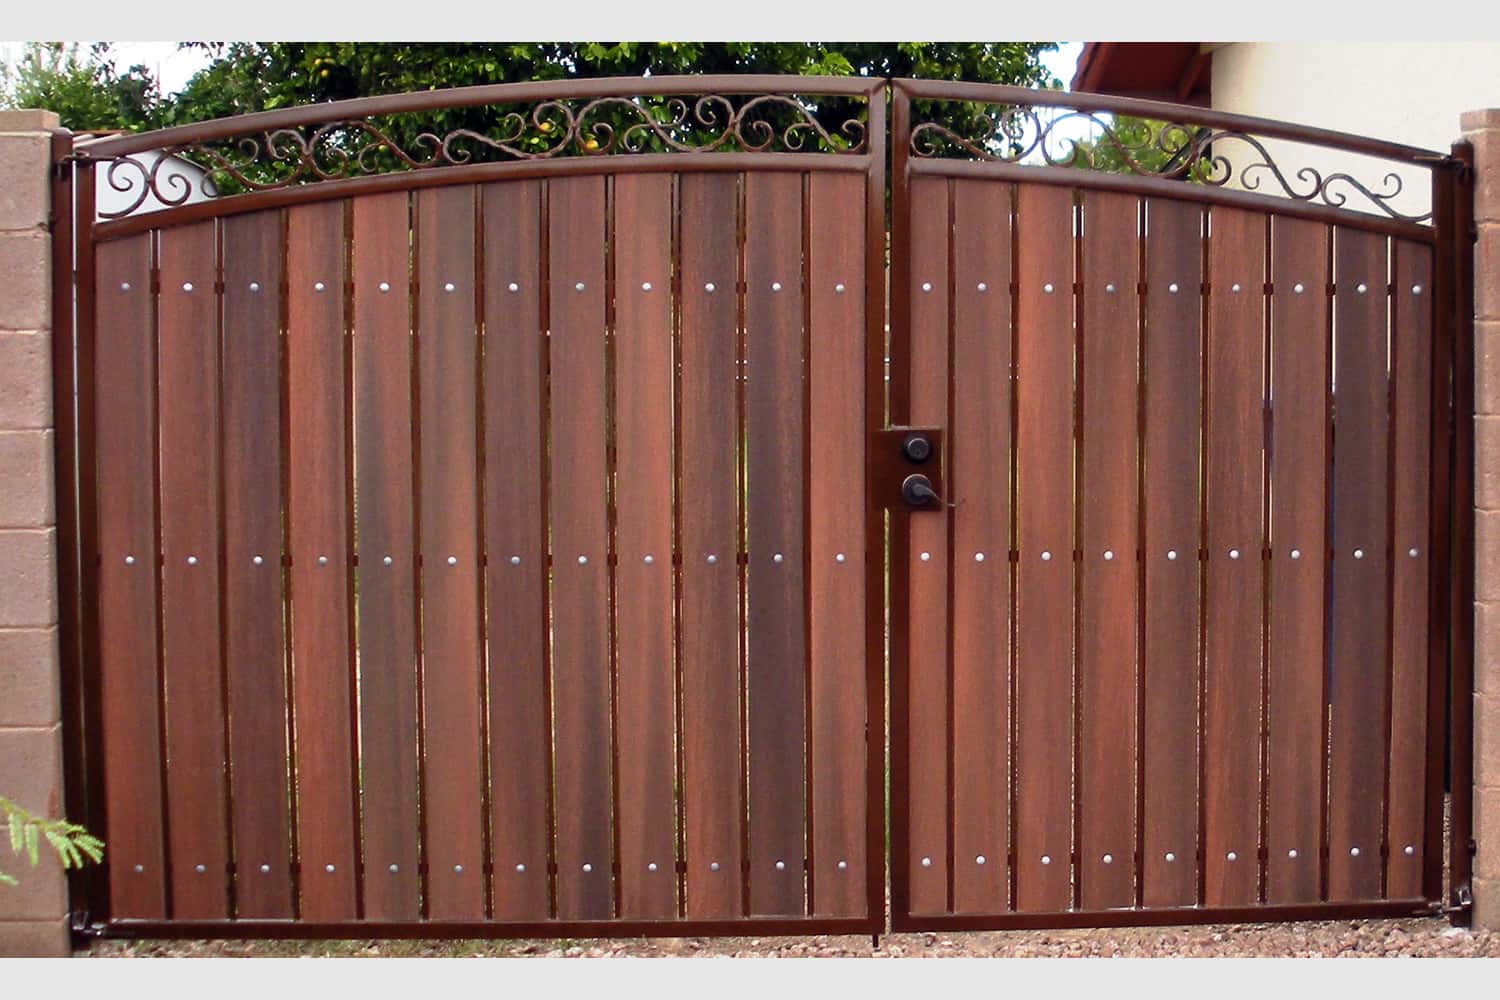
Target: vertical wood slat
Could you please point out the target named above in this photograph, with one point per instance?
(187, 333)
(643, 491)
(1173, 444)
(1360, 672)
(386, 571)
(927, 726)
(1299, 474)
(1234, 539)
(1412, 354)
(1044, 576)
(1108, 611)
(979, 482)
(775, 400)
(580, 539)
(254, 637)
(318, 519)
(452, 795)
(836, 543)
(709, 530)
(127, 606)
(515, 539)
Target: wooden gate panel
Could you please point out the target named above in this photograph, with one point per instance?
(192, 666)
(1109, 491)
(1298, 567)
(646, 686)
(254, 633)
(1172, 443)
(515, 510)
(928, 730)
(1411, 353)
(386, 595)
(1233, 541)
(1359, 681)
(1045, 544)
(836, 281)
(318, 526)
(776, 571)
(580, 547)
(125, 441)
(709, 533)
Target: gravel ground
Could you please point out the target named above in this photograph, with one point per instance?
(1346, 938)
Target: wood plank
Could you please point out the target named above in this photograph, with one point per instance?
(1299, 481)
(514, 531)
(646, 714)
(775, 494)
(125, 443)
(1412, 351)
(386, 593)
(928, 559)
(1109, 523)
(254, 635)
(836, 544)
(1044, 532)
(1173, 353)
(192, 666)
(452, 669)
(580, 540)
(979, 481)
(318, 517)
(1234, 538)
(708, 523)
(1359, 680)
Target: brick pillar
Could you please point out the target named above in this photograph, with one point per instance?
(1482, 128)
(33, 914)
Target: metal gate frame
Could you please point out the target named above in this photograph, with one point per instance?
(75, 170)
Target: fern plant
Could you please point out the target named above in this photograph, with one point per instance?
(74, 845)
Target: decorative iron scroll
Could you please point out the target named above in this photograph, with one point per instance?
(350, 148)
(1175, 150)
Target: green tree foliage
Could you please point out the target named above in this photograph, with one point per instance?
(83, 87)
(1145, 146)
(73, 844)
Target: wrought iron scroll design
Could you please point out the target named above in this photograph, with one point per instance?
(1179, 150)
(351, 148)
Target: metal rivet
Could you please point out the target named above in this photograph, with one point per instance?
(775, 286)
(125, 287)
(648, 559)
(1297, 288)
(712, 559)
(521, 869)
(979, 557)
(979, 859)
(587, 867)
(583, 560)
(192, 560)
(515, 288)
(842, 865)
(982, 287)
(130, 560)
(387, 560)
(1361, 288)
(385, 286)
(1359, 553)
(453, 560)
(187, 286)
(1416, 289)
(1234, 553)
(1171, 856)
(200, 869)
(1234, 287)
(322, 560)
(926, 286)
(578, 287)
(1172, 288)
(1110, 288)
(393, 869)
(781, 866)
(926, 556)
(1047, 288)
(1171, 553)
(839, 557)
(926, 862)
(458, 869)
(1108, 859)
(778, 557)
(1354, 852)
(713, 866)
(448, 287)
(265, 869)
(651, 866)
(709, 287)
(1292, 853)
(839, 288)
(1409, 849)
(1046, 557)
(1108, 554)
(1296, 553)
(1412, 553)
(257, 560)
(1232, 856)
(1046, 859)
(329, 869)
(255, 286)
(515, 560)
(318, 286)
(139, 869)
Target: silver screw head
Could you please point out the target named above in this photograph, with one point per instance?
(979, 557)
(1298, 288)
(1108, 555)
(926, 862)
(926, 286)
(1235, 287)
(1354, 852)
(926, 556)
(839, 557)
(322, 560)
(645, 286)
(385, 286)
(514, 288)
(979, 859)
(393, 869)
(713, 866)
(1172, 288)
(843, 865)
(515, 560)
(710, 287)
(1416, 289)
(651, 866)
(1234, 553)
(255, 286)
(318, 286)
(587, 867)
(583, 560)
(200, 869)
(648, 559)
(712, 559)
(329, 869)
(387, 560)
(982, 287)
(458, 869)
(1412, 552)
(1296, 553)
(1171, 857)
(1047, 288)
(1110, 288)
(448, 287)
(1292, 854)
(1409, 850)
(139, 869)
(1046, 859)
(130, 560)
(1361, 288)
(521, 869)
(1359, 553)
(1108, 859)
(1232, 856)
(839, 288)
(775, 286)
(187, 286)
(1171, 553)
(453, 560)
(781, 866)
(257, 560)
(1046, 557)
(578, 287)
(265, 869)
(192, 560)
(125, 287)
(778, 557)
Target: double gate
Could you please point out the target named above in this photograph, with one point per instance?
(517, 530)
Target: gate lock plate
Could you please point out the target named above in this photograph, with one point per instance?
(906, 468)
